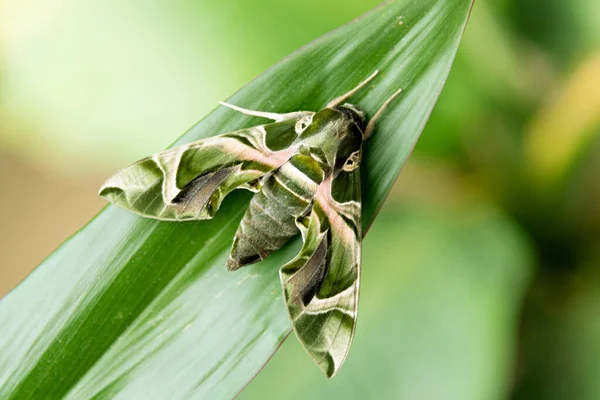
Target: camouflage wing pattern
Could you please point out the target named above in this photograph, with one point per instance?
(321, 284)
(189, 182)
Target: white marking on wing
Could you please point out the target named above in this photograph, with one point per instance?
(294, 174)
(333, 209)
(343, 301)
(168, 162)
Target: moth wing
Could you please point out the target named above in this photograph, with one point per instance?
(321, 284)
(189, 182)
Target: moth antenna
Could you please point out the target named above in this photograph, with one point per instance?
(263, 114)
(339, 100)
(371, 125)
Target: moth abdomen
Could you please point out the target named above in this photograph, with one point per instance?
(270, 221)
(265, 228)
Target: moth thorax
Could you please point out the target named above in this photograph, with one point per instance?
(354, 113)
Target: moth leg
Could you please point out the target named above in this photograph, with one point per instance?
(371, 125)
(339, 100)
(268, 115)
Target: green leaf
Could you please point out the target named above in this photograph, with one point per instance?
(141, 308)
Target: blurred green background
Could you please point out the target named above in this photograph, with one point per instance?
(481, 277)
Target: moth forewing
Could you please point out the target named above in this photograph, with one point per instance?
(190, 181)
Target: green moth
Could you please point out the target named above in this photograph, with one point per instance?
(304, 168)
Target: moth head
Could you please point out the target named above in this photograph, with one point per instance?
(349, 152)
(353, 113)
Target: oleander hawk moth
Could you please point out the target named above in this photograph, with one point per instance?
(304, 168)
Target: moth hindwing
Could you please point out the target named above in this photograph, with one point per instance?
(304, 168)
